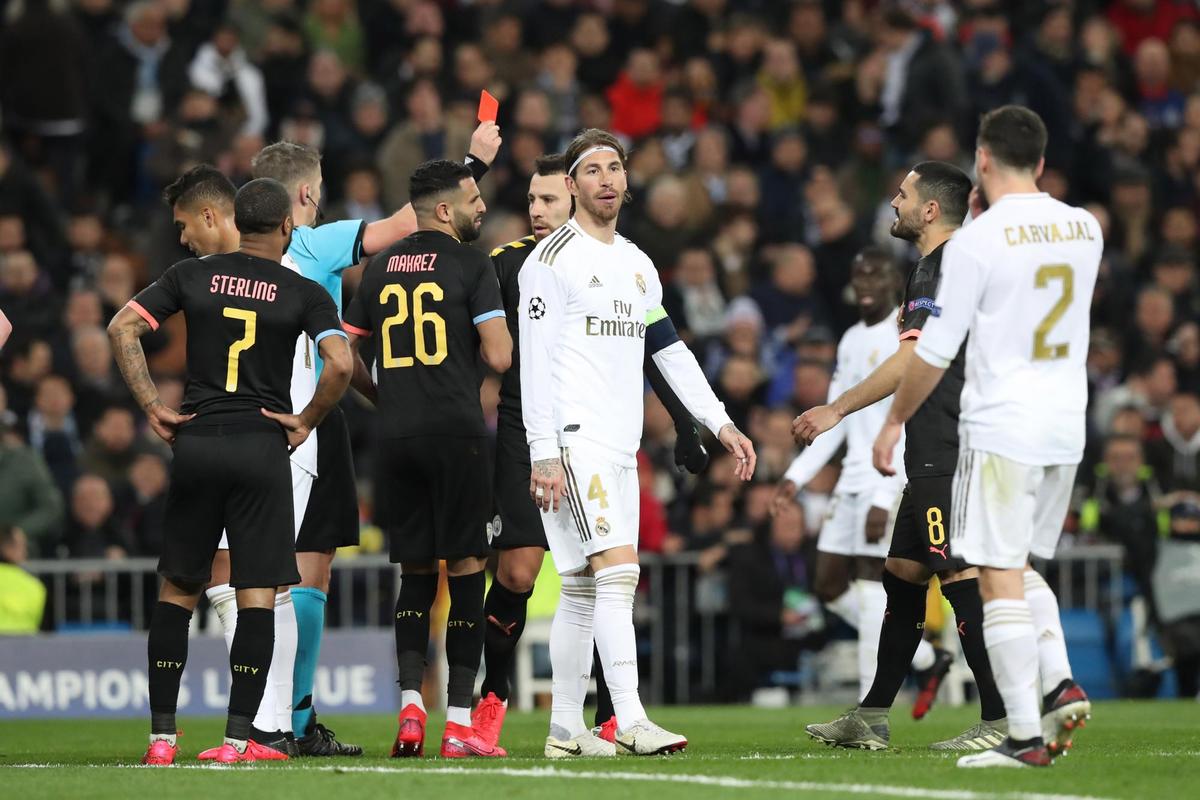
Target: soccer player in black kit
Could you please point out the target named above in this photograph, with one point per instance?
(518, 534)
(431, 307)
(930, 205)
(230, 471)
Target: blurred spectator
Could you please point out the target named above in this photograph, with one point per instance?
(1177, 593)
(222, 68)
(424, 135)
(1138, 20)
(665, 228)
(787, 301)
(1148, 389)
(361, 196)
(92, 530)
(26, 295)
(333, 25)
(147, 503)
(771, 599)
(28, 361)
(53, 432)
(1176, 458)
(637, 95)
(784, 83)
(1185, 348)
(1159, 102)
(22, 595)
(29, 499)
(1153, 318)
(112, 448)
(693, 296)
(599, 62)
(98, 384)
(43, 58)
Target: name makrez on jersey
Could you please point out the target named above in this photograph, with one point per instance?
(600, 326)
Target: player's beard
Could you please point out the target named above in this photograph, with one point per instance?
(467, 227)
(599, 212)
(906, 228)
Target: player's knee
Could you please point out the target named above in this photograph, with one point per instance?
(830, 587)
(519, 572)
(908, 571)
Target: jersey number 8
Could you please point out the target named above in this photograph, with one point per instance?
(421, 317)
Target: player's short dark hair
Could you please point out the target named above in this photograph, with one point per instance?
(948, 185)
(591, 138)
(287, 162)
(203, 184)
(550, 164)
(261, 206)
(435, 178)
(1014, 135)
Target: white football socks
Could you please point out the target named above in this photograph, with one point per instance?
(924, 657)
(872, 603)
(846, 605)
(411, 697)
(615, 639)
(1013, 652)
(223, 599)
(571, 653)
(1052, 644)
(458, 715)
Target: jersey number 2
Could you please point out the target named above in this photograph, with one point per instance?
(1045, 274)
(421, 317)
(250, 318)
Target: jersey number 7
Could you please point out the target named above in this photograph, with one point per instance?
(244, 343)
(421, 318)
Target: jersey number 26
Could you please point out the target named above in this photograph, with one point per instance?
(420, 318)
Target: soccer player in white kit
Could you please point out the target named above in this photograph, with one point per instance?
(1017, 285)
(856, 531)
(591, 308)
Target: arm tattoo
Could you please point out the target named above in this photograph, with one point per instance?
(547, 468)
(127, 350)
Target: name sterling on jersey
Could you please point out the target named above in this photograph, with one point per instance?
(600, 326)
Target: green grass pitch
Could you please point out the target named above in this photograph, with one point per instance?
(1129, 750)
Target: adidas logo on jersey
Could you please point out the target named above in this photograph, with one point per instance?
(594, 283)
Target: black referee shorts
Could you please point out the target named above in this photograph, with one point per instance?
(922, 531)
(520, 519)
(233, 477)
(433, 496)
(331, 519)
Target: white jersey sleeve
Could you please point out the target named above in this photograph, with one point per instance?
(954, 307)
(542, 309)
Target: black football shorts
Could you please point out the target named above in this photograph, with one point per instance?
(520, 518)
(331, 519)
(922, 530)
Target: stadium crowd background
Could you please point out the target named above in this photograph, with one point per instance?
(767, 136)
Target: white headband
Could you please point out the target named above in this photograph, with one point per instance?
(600, 148)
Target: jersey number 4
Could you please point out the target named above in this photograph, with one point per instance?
(1046, 273)
(250, 318)
(420, 318)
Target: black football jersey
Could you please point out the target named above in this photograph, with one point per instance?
(420, 301)
(931, 436)
(507, 259)
(244, 315)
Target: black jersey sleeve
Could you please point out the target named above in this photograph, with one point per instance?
(356, 320)
(483, 289)
(320, 314)
(161, 299)
(919, 303)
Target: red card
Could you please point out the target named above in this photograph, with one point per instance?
(488, 106)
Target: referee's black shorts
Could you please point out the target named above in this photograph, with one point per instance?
(233, 477)
(331, 519)
(433, 496)
(520, 519)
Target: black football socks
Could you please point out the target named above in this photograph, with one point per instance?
(504, 614)
(968, 612)
(166, 651)
(249, 660)
(417, 593)
(464, 637)
(903, 627)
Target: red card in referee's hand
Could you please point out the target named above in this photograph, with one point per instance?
(488, 106)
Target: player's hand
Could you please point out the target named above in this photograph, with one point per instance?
(885, 447)
(485, 142)
(785, 495)
(297, 430)
(742, 448)
(876, 528)
(547, 484)
(689, 450)
(164, 421)
(812, 423)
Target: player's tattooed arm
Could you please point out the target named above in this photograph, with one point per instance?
(741, 447)
(547, 483)
(124, 334)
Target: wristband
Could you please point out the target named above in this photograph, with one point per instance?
(477, 167)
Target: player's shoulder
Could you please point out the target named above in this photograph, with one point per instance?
(522, 246)
(555, 249)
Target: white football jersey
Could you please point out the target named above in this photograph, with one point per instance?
(862, 348)
(304, 386)
(1019, 281)
(584, 310)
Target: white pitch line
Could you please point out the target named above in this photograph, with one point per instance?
(721, 781)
